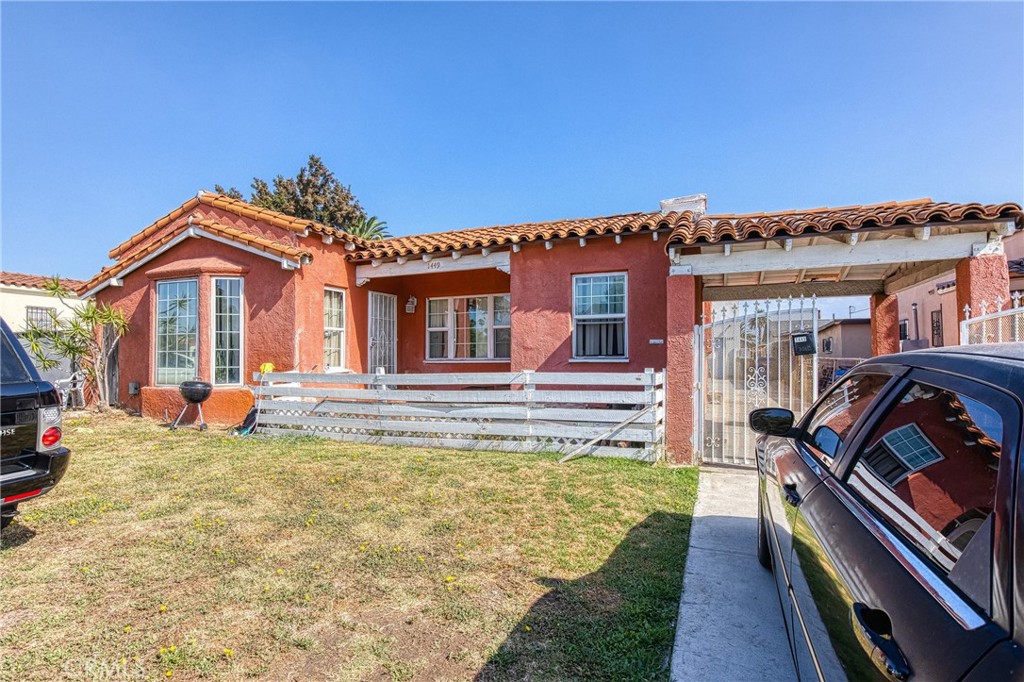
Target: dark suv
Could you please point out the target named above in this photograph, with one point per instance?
(893, 518)
(32, 458)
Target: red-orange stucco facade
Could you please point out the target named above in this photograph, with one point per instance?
(286, 266)
(283, 310)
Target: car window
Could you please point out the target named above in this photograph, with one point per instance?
(11, 368)
(930, 472)
(835, 415)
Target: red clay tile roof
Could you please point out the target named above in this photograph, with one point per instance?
(713, 228)
(18, 279)
(240, 208)
(232, 233)
(500, 235)
(688, 229)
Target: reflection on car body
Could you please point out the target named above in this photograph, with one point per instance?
(888, 519)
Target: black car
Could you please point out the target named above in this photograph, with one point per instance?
(32, 459)
(892, 516)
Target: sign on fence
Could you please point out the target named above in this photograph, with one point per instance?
(574, 414)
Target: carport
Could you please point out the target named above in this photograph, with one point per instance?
(874, 251)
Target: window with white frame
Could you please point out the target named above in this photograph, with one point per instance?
(177, 331)
(469, 328)
(227, 330)
(334, 329)
(599, 316)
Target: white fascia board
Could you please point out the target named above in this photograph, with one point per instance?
(190, 233)
(499, 260)
(874, 252)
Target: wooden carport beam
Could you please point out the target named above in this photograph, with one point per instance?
(866, 252)
(906, 279)
(749, 292)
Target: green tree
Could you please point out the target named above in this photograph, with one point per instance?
(314, 193)
(369, 227)
(232, 192)
(87, 335)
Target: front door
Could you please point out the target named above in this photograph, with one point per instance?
(383, 332)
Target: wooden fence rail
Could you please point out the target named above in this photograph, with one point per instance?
(571, 413)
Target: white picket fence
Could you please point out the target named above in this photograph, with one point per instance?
(571, 413)
(992, 324)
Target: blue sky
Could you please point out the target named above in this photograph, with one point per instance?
(445, 116)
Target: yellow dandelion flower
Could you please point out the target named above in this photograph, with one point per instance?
(163, 607)
(73, 521)
(420, 557)
(362, 548)
(280, 571)
(266, 588)
(123, 660)
(127, 628)
(317, 567)
(172, 648)
(526, 627)
(229, 652)
(169, 673)
(308, 598)
(450, 579)
(163, 651)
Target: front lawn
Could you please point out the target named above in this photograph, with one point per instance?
(191, 555)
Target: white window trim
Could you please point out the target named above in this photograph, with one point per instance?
(450, 329)
(910, 470)
(343, 368)
(624, 314)
(213, 332)
(156, 325)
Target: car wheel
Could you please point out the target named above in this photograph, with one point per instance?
(764, 555)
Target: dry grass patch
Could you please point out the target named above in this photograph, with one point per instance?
(197, 555)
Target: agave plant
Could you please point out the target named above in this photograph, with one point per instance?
(369, 227)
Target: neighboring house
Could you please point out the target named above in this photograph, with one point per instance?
(24, 297)
(929, 313)
(849, 338)
(218, 286)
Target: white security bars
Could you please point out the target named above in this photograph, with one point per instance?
(991, 324)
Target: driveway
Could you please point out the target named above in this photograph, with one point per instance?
(730, 625)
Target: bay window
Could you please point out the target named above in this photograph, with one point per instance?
(599, 316)
(177, 331)
(469, 328)
(227, 330)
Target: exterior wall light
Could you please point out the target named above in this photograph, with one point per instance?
(410, 305)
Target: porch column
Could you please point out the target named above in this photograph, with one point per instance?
(679, 376)
(981, 279)
(885, 324)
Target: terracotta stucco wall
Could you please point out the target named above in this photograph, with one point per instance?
(542, 302)
(269, 321)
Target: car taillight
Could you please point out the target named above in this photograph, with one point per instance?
(51, 437)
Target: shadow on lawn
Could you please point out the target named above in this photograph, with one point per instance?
(616, 623)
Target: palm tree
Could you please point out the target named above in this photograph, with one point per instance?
(369, 227)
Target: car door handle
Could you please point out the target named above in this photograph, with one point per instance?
(789, 492)
(874, 632)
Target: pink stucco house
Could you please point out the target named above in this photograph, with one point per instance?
(218, 286)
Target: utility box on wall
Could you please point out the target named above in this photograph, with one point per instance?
(803, 343)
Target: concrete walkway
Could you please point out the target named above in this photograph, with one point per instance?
(730, 625)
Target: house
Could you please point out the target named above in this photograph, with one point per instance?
(218, 286)
(849, 338)
(929, 312)
(24, 298)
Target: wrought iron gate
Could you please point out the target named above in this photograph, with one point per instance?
(744, 356)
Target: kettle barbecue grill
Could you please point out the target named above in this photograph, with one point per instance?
(194, 393)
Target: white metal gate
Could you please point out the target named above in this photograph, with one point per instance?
(991, 323)
(383, 331)
(744, 356)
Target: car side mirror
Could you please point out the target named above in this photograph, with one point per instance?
(772, 421)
